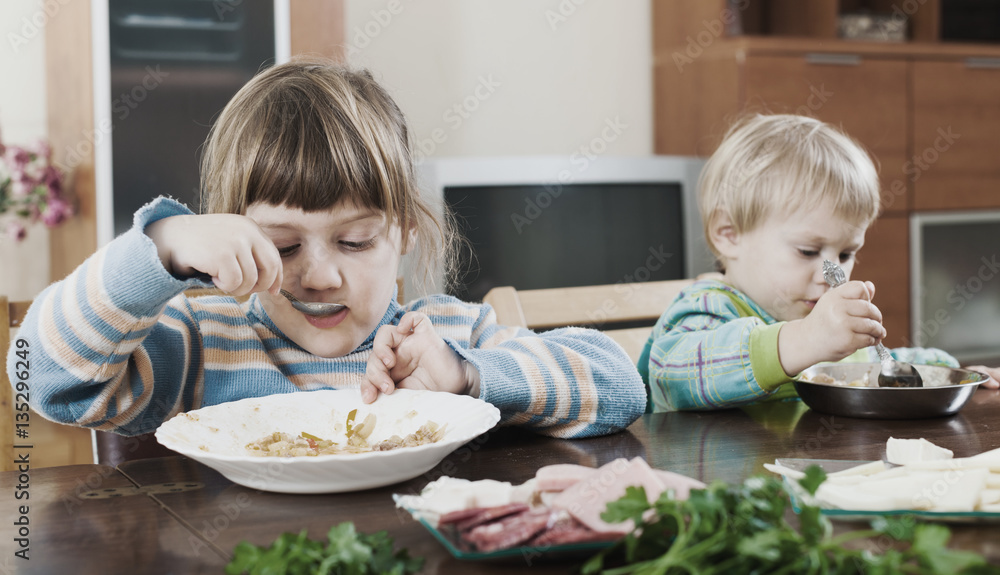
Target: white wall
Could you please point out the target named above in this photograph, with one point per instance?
(549, 73)
(527, 77)
(24, 267)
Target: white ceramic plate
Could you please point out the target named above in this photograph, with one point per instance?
(217, 436)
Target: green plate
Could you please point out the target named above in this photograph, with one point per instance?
(834, 465)
(527, 554)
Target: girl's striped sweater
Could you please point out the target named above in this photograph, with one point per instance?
(117, 346)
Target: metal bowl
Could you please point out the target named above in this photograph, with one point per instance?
(945, 391)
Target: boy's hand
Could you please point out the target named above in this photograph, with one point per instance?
(994, 372)
(229, 248)
(412, 355)
(843, 321)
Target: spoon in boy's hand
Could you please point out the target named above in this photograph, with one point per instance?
(312, 308)
(894, 373)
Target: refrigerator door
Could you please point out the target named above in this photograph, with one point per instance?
(174, 66)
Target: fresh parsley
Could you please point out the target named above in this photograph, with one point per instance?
(346, 552)
(742, 529)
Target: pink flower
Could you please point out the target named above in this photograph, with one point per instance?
(43, 150)
(56, 211)
(16, 231)
(30, 189)
(20, 188)
(17, 157)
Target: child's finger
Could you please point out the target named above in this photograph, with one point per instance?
(229, 275)
(368, 391)
(269, 268)
(871, 290)
(387, 339)
(377, 378)
(412, 321)
(993, 372)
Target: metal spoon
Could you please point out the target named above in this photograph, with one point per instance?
(313, 308)
(894, 373)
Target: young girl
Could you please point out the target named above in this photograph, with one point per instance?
(781, 194)
(310, 184)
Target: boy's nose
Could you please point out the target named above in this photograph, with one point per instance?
(818, 277)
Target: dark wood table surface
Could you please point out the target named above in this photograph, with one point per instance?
(175, 515)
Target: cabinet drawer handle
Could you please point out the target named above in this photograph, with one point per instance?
(982, 62)
(833, 59)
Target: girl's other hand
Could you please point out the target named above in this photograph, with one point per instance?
(994, 372)
(843, 321)
(412, 355)
(229, 248)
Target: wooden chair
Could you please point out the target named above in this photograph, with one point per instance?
(603, 307)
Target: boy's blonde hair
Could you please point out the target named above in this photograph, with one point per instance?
(311, 134)
(774, 165)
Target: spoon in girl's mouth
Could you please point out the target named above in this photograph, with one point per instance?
(313, 308)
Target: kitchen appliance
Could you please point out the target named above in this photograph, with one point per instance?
(164, 69)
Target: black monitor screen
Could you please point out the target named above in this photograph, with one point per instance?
(537, 236)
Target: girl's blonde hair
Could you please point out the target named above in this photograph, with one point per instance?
(774, 165)
(311, 134)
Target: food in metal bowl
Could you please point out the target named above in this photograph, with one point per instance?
(849, 390)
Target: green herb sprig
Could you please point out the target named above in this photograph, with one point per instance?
(347, 552)
(742, 529)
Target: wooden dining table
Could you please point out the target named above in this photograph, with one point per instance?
(175, 515)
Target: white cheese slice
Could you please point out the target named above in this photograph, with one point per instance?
(993, 481)
(863, 469)
(903, 451)
(855, 479)
(849, 497)
(961, 490)
(992, 455)
(913, 490)
(989, 497)
(950, 464)
(786, 471)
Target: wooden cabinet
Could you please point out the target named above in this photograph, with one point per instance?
(927, 111)
(956, 134)
(864, 96)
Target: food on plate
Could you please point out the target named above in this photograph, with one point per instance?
(830, 380)
(743, 529)
(561, 504)
(903, 451)
(281, 444)
(922, 476)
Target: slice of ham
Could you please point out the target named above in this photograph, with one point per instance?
(489, 514)
(568, 530)
(681, 484)
(561, 476)
(588, 498)
(509, 531)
